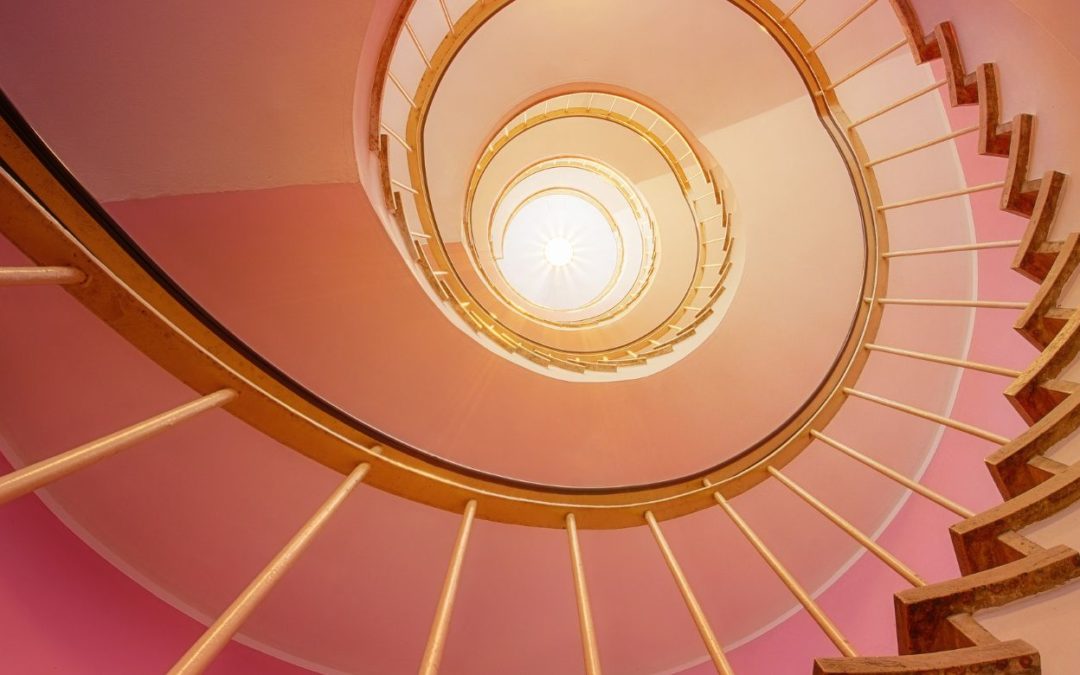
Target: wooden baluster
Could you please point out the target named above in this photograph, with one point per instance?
(922, 146)
(698, 615)
(952, 249)
(881, 56)
(937, 302)
(852, 531)
(40, 276)
(927, 415)
(797, 590)
(218, 635)
(843, 24)
(588, 633)
(944, 195)
(934, 358)
(30, 478)
(893, 106)
(896, 476)
(441, 624)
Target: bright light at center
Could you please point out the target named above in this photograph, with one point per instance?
(558, 251)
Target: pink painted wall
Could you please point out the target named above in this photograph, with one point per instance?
(107, 623)
(65, 609)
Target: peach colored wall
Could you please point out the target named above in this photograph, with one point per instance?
(64, 609)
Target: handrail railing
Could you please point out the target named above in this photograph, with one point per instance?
(92, 264)
(660, 133)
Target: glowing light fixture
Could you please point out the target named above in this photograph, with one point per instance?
(558, 251)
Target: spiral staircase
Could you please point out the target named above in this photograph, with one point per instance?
(837, 435)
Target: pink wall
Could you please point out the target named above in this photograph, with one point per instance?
(65, 609)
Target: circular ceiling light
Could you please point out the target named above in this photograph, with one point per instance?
(559, 251)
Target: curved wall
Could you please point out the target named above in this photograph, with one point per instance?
(956, 469)
(65, 609)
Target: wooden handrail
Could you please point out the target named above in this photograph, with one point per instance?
(218, 635)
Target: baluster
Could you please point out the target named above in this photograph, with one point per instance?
(797, 590)
(40, 276)
(852, 531)
(30, 478)
(441, 625)
(218, 635)
(588, 633)
(698, 615)
(927, 415)
(896, 476)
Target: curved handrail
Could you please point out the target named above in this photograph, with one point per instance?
(70, 228)
(59, 225)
